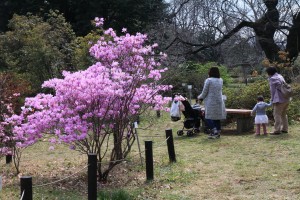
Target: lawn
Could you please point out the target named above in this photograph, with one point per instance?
(234, 167)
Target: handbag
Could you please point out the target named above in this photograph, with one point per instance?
(286, 89)
(175, 111)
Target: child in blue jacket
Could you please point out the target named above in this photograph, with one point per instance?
(261, 118)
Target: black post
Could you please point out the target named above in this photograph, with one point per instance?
(92, 176)
(170, 143)
(26, 188)
(158, 113)
(149, 160)
(138, 119)
(8, 159)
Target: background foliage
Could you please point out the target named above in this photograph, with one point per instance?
(38, 49)
(133, 14)
(245, 97)
(193, 73)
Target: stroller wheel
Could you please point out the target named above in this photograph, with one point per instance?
(180, 132)
(207, 131)
(196, 130)
(189, 133)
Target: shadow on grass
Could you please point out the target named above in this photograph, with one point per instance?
(185, 137)
(233, 132)
(283, 136)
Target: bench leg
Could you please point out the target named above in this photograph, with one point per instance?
(244, 124)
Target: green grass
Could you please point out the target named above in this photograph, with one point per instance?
(234, 167)
(114, 194)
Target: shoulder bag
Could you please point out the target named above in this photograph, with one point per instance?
(286, 89)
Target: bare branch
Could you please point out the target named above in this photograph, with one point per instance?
(225, 37)
(172, 15)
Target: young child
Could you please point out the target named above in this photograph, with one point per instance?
(261, 119)
(197, 106)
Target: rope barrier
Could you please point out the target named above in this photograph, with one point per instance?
(151, 136)
(159, 145)
(147, 129)
(120, 160)
(61, 179)
(111, 161)
(163, 142)
(57, 181)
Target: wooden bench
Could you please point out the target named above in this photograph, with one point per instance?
(244, 120)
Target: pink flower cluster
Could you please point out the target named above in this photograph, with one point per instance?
(5, 148)
(99, 21)
(7, 138)
(124, 79)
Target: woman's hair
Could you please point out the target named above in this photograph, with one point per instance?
(271, 71)
(260, 98)
(214, 72)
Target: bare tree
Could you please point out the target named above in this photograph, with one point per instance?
(200, 26)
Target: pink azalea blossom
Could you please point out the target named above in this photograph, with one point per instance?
(122, 82)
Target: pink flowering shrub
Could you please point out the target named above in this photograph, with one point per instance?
(93, 110)
(6, 139)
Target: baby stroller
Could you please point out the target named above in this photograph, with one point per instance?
(193, 116)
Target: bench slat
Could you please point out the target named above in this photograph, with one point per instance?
(238, 111)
